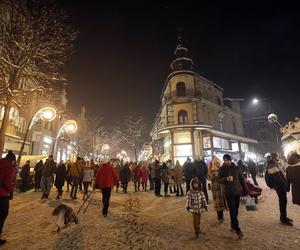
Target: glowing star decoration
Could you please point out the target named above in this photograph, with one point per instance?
(272, 118)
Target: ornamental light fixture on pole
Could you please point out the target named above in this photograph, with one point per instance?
(273, 118)
(69, 127)
(46, 114)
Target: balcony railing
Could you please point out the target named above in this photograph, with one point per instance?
(188, 94)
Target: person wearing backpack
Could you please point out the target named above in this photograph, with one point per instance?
(276, 179)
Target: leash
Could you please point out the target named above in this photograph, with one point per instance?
(85, 201)
(91, 197)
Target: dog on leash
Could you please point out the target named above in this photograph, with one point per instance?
(65, 216)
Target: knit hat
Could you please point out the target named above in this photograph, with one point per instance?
(10, 156)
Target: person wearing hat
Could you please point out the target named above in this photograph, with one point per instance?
(7, 176)
(231, 177)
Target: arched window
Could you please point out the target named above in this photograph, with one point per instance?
(180, 88)
(182, 117)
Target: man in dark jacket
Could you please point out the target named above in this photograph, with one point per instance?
(232, 178)
(279, 182)
(253, 170)
(7, 176)
(188, 172)
(47, 178)
(157, 177)
(125, 176)
(201, 171)
(61, 173)
(25, 176)
(38, 172)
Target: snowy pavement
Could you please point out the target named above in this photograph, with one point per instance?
(143, 221)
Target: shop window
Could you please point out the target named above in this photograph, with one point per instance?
(180, 89)
(182, 137)
(206, 142)
(182, 117)
(244, 147)
(235, 147)
(217, 142)
(183, 150)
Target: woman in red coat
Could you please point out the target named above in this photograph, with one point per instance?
(106, 179)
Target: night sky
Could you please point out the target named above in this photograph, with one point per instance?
(124, 50)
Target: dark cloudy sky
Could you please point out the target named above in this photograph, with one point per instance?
(250, 48)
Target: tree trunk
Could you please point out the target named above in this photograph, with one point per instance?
(135, 153)
(4, 125)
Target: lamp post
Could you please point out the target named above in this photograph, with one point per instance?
(69, 127)
(272, 118)
(47, 114)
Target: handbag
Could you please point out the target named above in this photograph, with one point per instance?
(250, 204)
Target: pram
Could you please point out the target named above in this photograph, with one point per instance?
(253, 190)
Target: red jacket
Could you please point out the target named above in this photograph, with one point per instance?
(106, 176)
(7, 175)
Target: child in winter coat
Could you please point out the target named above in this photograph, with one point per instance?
(196, 203)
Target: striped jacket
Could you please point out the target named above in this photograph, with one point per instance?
(196, 201)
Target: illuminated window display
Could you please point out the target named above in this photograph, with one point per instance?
(182, 137)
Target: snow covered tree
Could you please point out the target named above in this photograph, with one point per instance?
(36, 40)
(91, 135)
(134, 130)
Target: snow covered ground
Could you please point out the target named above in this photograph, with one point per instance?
(143, 221)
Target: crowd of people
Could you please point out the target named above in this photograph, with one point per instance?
(228, 182)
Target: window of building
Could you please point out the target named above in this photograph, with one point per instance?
(244, 147)
(217, 142)
(182, 117)
(221, 121)
(206, 142)
(182, 137)
(180, 88)
(235, 146)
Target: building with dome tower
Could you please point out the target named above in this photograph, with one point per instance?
(193, 119)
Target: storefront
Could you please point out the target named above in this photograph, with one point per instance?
(181, 143)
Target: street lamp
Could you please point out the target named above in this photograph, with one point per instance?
(69, 127)
(46, 114)
(255, 101)
(273, 118)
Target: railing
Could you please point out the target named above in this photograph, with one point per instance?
(188, 94)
